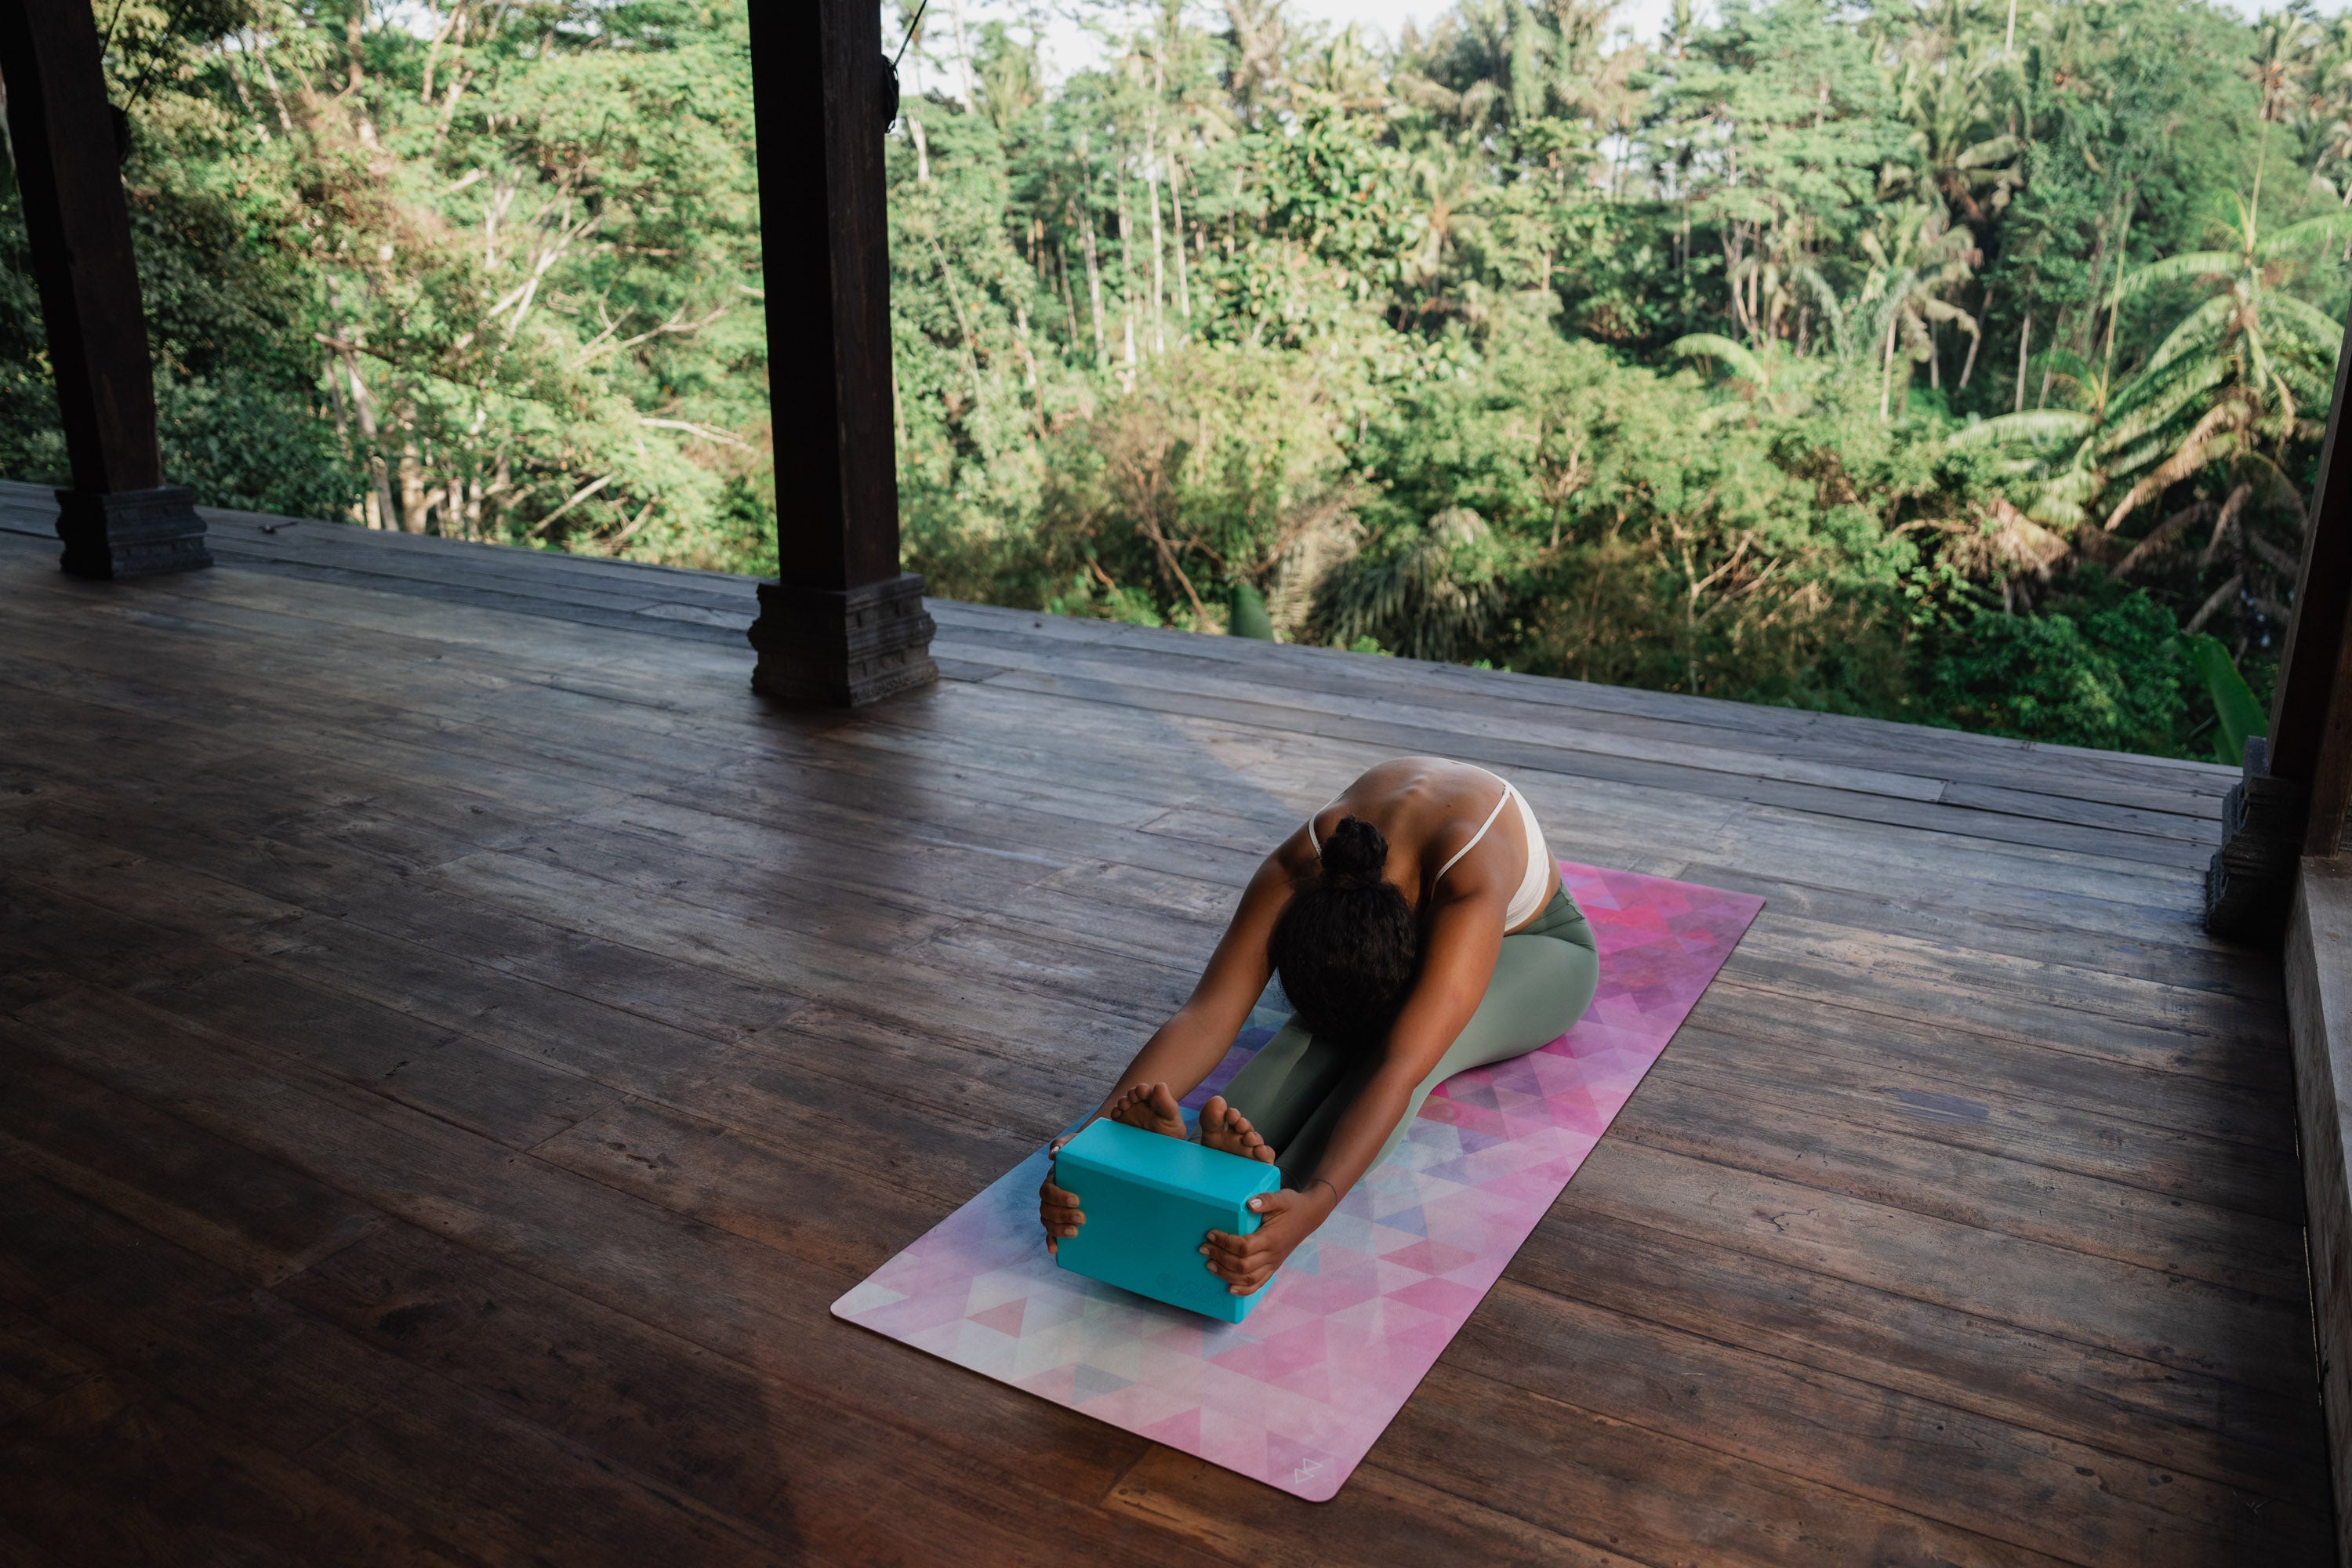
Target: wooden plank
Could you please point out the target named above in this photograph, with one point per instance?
(988, 630)
(1973, 875)
(412, 1444)
(1796, 1139)
(1920, 1456)
(261, 1221)
(111, 1473)
(2135, 1312)
(504, 1096)
(1650, 1496)
(2058, 1007)
(2319, 989)
(2162, 812)
(2198, 1424)
(500, 599)
(36, 1364)
(1438, 738)
(1977, 1095)
(2048, 805)
(16, 1547)
(731, 1435)
(632, 979)
(188, 1324)
(1382, 1516)
(547, 1222)
(2169, 946)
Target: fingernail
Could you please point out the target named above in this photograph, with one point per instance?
(1201, 1250)
(1210, 1267)
(1255, 1204)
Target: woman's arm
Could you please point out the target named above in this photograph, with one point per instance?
(1466, 936)
(1187, 1048)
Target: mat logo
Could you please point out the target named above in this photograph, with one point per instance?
(1307, 1472)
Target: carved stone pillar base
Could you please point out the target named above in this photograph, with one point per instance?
(131, 533)
(843, 646)
(2250, 883)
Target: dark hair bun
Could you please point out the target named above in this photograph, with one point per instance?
(1347, 943)
(1355, 854)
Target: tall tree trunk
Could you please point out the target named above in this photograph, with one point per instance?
(1127, 288)
(1887, 371)
(1094, 287)
(1176, 212)
(2024, 342)
(364, 409)
(414, 499)
(1021, 336)
(1976, 339)
(1069, 305)
(963, 54)
(1093, 259)
(1158, 253)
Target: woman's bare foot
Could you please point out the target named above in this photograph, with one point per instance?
(1225, 1129)
(1151, 1107)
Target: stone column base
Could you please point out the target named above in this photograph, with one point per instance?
(843, 646)
(131, 533)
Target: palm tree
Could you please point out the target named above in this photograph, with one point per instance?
(1930, 259)
(1950, 93)
(2240, 371)
(2233, 381)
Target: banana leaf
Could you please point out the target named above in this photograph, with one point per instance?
(2238, 715)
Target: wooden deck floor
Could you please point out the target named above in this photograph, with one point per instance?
(458, 1041)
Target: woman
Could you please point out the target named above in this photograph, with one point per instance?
(1420, 928)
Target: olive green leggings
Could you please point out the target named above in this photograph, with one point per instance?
(1294, 1090)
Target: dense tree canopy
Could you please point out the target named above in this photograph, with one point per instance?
(1948, 360)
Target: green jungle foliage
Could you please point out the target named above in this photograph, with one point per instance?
(1931, 359)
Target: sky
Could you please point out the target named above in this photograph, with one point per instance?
(1068, 47)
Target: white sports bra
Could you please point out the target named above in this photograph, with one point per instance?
(1533, 883)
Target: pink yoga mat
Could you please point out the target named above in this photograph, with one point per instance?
(1297, 1394)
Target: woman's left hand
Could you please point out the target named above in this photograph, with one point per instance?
(1286, 1218)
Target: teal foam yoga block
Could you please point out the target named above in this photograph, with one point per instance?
(1149, 1201)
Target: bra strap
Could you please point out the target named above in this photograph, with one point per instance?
(1317, 843)
(1502, 801)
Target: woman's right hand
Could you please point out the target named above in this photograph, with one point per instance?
(1058, 1207)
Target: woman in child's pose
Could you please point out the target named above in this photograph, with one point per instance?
(1420, 928)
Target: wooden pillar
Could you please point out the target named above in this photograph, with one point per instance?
(2297, 780)
(119, 519)
(2310, 712)
(842, 624)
